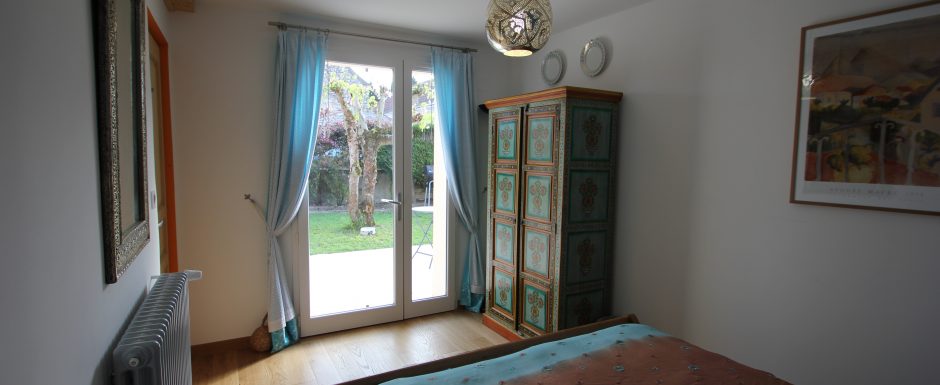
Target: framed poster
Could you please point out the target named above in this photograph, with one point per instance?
(868, 114)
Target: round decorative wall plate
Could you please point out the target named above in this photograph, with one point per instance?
(553, 67)
(593, 58)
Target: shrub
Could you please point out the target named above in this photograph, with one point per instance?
(422, 155)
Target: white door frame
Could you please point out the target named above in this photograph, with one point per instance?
(392, 56)
(449, 301)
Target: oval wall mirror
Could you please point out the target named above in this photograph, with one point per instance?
(593, 58)
(553, 67)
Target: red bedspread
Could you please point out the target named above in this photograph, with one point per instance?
(652, 360)
(605, 353)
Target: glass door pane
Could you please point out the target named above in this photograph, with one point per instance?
(378, 209)
(429, 263)
(352, 226)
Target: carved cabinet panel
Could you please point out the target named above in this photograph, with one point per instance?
(507, 139)
(589, 195)
(504, 241)
(537, 253)
(505, 184)
(537, 300)
(504, 287)
(540, 196)
(550, 204)
(587, 256)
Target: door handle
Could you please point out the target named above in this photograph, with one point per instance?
(397, 204)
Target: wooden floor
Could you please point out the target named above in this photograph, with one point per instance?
(343, 356)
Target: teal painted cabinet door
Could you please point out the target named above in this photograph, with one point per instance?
(591, 134)
(588, 196)
(537, 253)
(536, 300)
(504, 242)
(507, 140)
(539, 197)
(583, 308)
(505, 192)
(587, 256)
(540, 140)
(504, 289)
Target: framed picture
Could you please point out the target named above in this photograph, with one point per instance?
(868, 114)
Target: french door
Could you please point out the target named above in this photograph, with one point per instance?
(378, 219)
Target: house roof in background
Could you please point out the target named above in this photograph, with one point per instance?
(458, 19)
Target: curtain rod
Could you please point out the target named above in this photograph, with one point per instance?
(295, 26)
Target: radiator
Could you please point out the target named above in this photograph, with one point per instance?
(155, 349)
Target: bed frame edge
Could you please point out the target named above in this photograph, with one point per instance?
(489, 352)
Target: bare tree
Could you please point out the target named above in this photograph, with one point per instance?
(341, 90)
(365, 137)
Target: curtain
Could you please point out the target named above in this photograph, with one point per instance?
(453, 87)
(298, 74)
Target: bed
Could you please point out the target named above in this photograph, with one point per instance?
(615, 351)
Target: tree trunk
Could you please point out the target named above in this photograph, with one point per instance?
(352, 203)
(375, 135)
(364, 140)
(372, 141)
(352, 138)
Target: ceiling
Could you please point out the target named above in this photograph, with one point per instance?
(457, 19)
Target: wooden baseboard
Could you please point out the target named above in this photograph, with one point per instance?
(500, 329)
(234, 344)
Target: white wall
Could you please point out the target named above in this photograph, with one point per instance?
(222, 72)
(60, 320)
(709, 248)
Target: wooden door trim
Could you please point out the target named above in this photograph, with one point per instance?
(170, 187)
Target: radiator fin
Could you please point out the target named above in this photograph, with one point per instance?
(155, 348)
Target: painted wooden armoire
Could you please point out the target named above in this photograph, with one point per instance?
(550, 202)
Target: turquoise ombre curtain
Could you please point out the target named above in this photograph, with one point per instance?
(453, 87)
(298, 74)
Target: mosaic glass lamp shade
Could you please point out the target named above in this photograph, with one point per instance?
(518, 27)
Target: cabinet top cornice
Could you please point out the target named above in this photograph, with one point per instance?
(555, 93)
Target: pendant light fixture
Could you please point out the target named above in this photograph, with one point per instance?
(518, 27)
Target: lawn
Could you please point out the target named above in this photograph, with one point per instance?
(332, 232)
